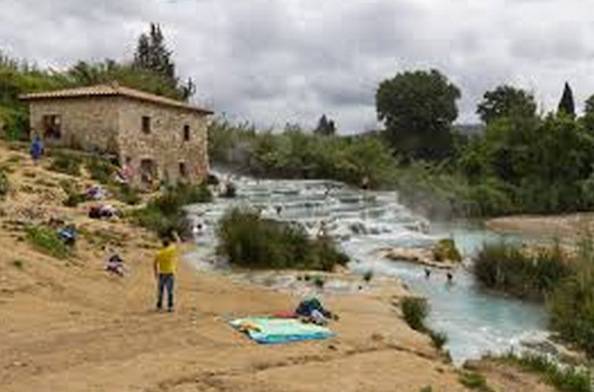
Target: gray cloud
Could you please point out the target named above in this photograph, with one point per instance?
(292, 60)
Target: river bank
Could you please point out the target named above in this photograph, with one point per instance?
(66, 325)
(565, 227)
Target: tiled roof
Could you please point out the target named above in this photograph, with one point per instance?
(111, 90)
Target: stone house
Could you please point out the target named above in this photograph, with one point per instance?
(160, 138)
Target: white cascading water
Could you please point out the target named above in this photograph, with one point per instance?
(363, 222)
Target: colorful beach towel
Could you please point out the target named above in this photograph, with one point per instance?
(266, 330)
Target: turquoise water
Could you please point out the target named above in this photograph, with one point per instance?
(476, 321)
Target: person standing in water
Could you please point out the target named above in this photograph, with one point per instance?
(165, 266)
(36, 149)
(427, 273)
(450, 277)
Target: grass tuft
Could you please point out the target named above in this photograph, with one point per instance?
(47, 241)
(563, 378)
(415, 310)
(66, 164)
(474, 381)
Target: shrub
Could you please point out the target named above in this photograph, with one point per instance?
(66, 163)
(74, 200)
(415, 310)
(439, 339)
(47, 241)
(247, 240)
(445, 250)
(18, 264)
(511, 269)
(4, 185)
(572, 310)
(74, 197)
(474, 381)
(101, 170)
(127, 194)
(165, 213)
(564, 378)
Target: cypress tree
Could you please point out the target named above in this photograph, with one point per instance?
(325, 127)
(566, 104)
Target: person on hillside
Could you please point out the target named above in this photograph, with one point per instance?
(36, 149)
(165, 266)
(115, 265)
(126, 174)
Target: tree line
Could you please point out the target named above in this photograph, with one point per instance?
(522, 162)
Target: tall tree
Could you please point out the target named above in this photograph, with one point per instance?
(506, 101)
(588, 118)
(153, 55)
(325, 127)
(566, 105)
(418, 109)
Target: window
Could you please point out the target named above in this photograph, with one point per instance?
(183, 170)
(186, 133)
(146, 124)
(52, 126)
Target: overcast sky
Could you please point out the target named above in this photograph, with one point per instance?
(281, 61)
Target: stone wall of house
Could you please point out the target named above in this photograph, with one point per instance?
(165, 143)
(87, 123)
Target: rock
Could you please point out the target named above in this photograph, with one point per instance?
(416, 255)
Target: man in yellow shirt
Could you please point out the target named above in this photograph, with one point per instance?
(165, 266)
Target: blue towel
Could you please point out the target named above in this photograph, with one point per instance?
(278, 330)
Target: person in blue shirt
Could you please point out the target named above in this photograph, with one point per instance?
(36, 148)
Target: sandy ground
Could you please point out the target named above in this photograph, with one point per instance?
(65, 325)
(566, 227)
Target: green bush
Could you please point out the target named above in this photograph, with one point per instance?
(509, 268)
(73, 200)
(564, 378)
(474, 381)
(66, 163)
(571, 307)
(445, 250)
(415, 311)
(249, 241)
(101, 170)
(47, 241)
(4, 185)
(439, 339)
(74, 197)
(127, 194)
(165, 214)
